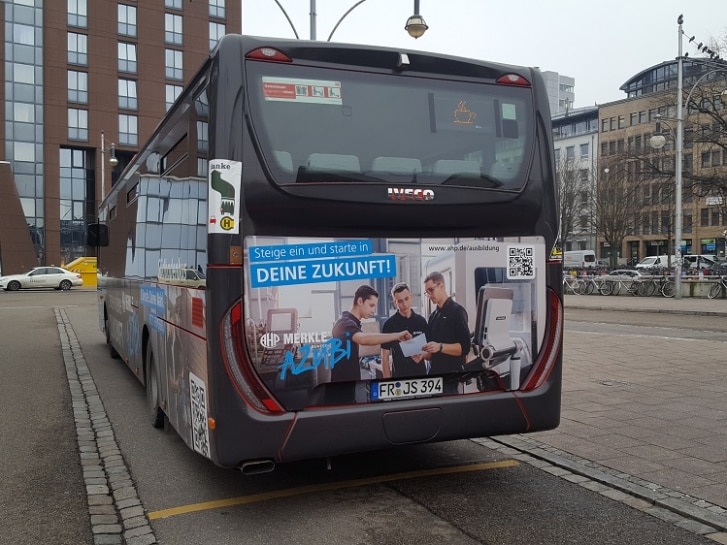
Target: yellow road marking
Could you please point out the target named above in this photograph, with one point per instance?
(286, 493)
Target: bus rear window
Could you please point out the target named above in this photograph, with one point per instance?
(319, 125)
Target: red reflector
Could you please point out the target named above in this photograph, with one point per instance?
(513, 79)
(268, 54)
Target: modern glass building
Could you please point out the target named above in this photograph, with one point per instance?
(85, 81)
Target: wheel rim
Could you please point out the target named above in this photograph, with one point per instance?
(65, 285)
(14, 286)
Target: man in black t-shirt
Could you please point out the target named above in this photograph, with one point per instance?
(449, 337)
(404, 319)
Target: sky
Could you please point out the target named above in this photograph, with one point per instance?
(601, 44)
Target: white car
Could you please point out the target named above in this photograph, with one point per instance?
(42, 277)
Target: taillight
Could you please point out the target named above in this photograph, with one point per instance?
(551, 347)
(268, 54)
(246, 381)
(513, 79)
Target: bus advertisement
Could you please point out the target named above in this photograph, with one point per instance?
(321, 238)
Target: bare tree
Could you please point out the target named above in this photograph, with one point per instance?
(572, 188)
(616, 204)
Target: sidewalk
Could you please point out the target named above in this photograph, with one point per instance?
(685, 305)
(644, 414)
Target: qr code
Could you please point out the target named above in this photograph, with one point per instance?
(198, 402)
(520, 262)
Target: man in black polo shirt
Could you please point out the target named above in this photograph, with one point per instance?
(348, 329)
(405, 319)
(449, 335)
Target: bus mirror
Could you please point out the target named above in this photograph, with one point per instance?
(98, 234)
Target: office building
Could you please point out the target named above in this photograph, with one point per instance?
(85, 81)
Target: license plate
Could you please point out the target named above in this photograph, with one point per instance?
(406, 388)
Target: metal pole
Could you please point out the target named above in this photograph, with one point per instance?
(678, 174)
(103, 167)
(312, 19)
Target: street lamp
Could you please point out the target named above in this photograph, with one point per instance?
(113, 161)
(658, 141)
(415, 25)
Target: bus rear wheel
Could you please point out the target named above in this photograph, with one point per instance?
(153, 397)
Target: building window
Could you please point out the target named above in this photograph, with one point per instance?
(128, 130)
(604, 125)
(127, 94)
(23, 112)
(217, 8)
(585, 151)
(202, 137)
(77, 13)
(172, 94)
(77, 49)
(715, 217)
(704, 217)
(75, 203)
(570, 153)
(127, 57)
(217, 30)
(687, 221)
(78, 124)
(127, 20)
(77, 87)
(174, 4)
(705, 159)
(715, 158)
(173, 29)
(174, 65)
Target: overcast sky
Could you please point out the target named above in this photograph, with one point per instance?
(600, 44)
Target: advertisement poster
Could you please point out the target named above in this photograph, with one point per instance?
(377, 320)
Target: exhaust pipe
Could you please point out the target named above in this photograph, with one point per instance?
(254, 467)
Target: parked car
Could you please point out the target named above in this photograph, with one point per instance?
(42, 277)
(624, 274)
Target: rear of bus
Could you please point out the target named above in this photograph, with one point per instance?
(342, 166)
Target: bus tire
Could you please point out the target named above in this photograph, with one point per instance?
(153, 397)
(112, 351)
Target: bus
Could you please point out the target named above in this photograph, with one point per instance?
(291, 175)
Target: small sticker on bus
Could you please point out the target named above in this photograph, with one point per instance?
(302, 90)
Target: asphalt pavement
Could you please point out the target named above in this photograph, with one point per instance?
(645, 424)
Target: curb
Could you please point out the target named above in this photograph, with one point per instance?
(649, 310)
(117, 515)
(693, 514)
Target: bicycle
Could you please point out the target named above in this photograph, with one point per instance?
(661, 285)
(600, 286)
(631, 286)
(573, 285)
(716, 289)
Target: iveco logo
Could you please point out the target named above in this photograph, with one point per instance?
(409, 194)
(270, 340)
